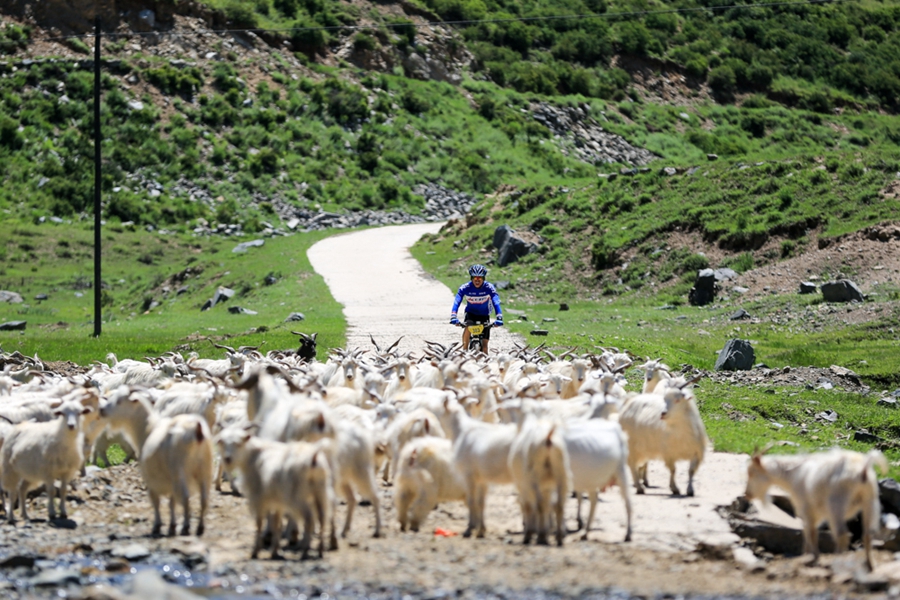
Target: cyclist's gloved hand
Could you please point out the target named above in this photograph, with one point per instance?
(499, 321)
(454, 320)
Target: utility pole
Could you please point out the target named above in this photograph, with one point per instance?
(97, 138)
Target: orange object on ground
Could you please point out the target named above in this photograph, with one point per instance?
(444, 532)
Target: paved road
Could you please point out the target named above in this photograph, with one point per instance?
(386, 293)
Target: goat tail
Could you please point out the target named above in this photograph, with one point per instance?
(877, 459)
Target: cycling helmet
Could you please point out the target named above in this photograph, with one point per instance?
(477, 271)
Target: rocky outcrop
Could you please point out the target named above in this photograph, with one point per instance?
(580, 136)
(511, 246)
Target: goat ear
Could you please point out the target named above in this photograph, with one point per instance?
(199, 432)
(87, 410)
(412, 457)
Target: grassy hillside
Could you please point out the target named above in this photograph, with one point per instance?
(154, 288)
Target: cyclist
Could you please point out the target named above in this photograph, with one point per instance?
(478, 295)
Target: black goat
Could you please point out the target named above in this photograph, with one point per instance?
(307, 349)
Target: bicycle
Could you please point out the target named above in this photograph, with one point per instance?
(477, 333)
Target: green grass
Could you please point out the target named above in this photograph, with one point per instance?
(61, 327)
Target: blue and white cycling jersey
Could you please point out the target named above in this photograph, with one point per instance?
(478, 299)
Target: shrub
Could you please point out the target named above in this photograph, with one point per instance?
(363, 42)
(634, 37)
(241, 14)
(741, 263)
(722, 80)
(414, 102)
(487, 107)
(602, 255)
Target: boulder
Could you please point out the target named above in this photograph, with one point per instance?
(737, 355)
(240, 310)
(512, 247)
(705, 288)
(889, 493)
(11, 297)
(842, 290)
(740, 314)
(295, 316)
(807, 287)
(13, 326)
(501, 234)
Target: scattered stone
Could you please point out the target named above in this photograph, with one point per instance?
(270, 280)
(712, 157)
(501, 285)
(829, 416)
(863, 435)
(842, 290)
(244, 246)
(539, 332)
(295, 316)
(740, 290)
(147, 583)
(132, 552)
(40, 297)
(13, 326)
(240, 310)
(11, 297)
(669, 171)
(737, 355)
(222, 295)
(56, 578)
(563, 306)
(18, 560)
(746, 558)
(807, 287)
(739, 315)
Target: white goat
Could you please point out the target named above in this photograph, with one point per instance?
(598, 458)
(352, 456)
(425, 477)
(175, 455)
(665, 427)
(828, 487)
(480, 454)
(291, 479)
(34, 453)
(539, 464)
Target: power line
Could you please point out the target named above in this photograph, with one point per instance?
(617, 15)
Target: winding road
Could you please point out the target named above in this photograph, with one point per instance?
(386, 293)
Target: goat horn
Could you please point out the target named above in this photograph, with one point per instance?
(690, 381)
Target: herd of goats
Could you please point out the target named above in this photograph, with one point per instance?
(292, 433)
